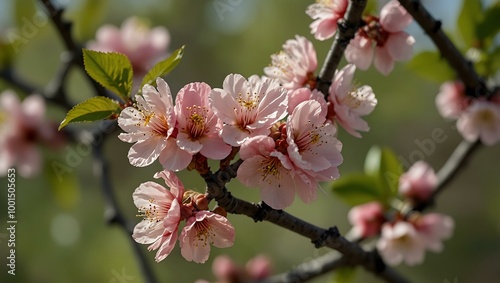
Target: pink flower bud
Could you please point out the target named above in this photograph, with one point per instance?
(367, 219)
(418, 183)
(451, 100)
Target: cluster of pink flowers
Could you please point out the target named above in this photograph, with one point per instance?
(281, 157)
(386, 33)
(163, 210)
(227, 271)
(405, 239)
(23, 127)
(477, 118)
(143, 46)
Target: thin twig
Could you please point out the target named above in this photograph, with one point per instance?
(113, 214)
(474, 83)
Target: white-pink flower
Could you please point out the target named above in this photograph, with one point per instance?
(150, 125)
(419, 182)
(198, 129)
(294, 66)
(366, 219)
(270, 169)
(451, 100)
(480, 121)
(23, 127)
(248, 108)
(312, 147)
(433, 228)
(161, 210)
(301, 153)
(350, 102)
(400, 242)
(142, 45)
(386, 33)
(203, 229)
(299, 95)
(326, 14)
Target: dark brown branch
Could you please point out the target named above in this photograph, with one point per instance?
(319, 237)
(474, 83)
(113, 214)
(346, 30)
(75, 52)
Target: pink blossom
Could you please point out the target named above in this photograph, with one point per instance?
(349, 102)
(227, 271)
(386, 33)
(312, 147)
(299, 95)
(150, 125)
(197, 123)
(201, 230)
(452, 100)
(366, 219)
(480, 121)
(433, 228)
(419, 182)
(161, 209)
(248, 108)
(143, 46)
(326, 14)
(294, 66)
(301, 153)
(23, 127)
(270, 170)
(401, 242)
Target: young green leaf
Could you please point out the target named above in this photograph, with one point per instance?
(431, 66)
(112, 70)
(344, 275)
(470, 16)
(163, 67)
(382, 164)
(93, 109)
(490, 24)
(357, 189)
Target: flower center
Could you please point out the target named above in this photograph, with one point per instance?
(204, 233)
(354, 97)
(150, 212)
(486, 116)
(196, 121)
(374, 31)
(270, 166)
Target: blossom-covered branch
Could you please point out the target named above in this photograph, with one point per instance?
(347, 29)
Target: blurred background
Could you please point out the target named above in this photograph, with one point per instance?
(61, 235)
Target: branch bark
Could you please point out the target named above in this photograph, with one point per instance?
(474, 83)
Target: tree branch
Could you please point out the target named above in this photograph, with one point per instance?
(113, 214)
(319, 237)
(64, 29)
(474, 83)
(347, 28)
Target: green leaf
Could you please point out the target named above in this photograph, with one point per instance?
(344, 275)
(87, 17)
(430, 65)
(470, 16)
(163, 67)
(382, 164)
(490, 25)
(93, 109)
(112, 70)
(63, 183)
(357, 189)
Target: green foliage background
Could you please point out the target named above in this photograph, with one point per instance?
(61, 234)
